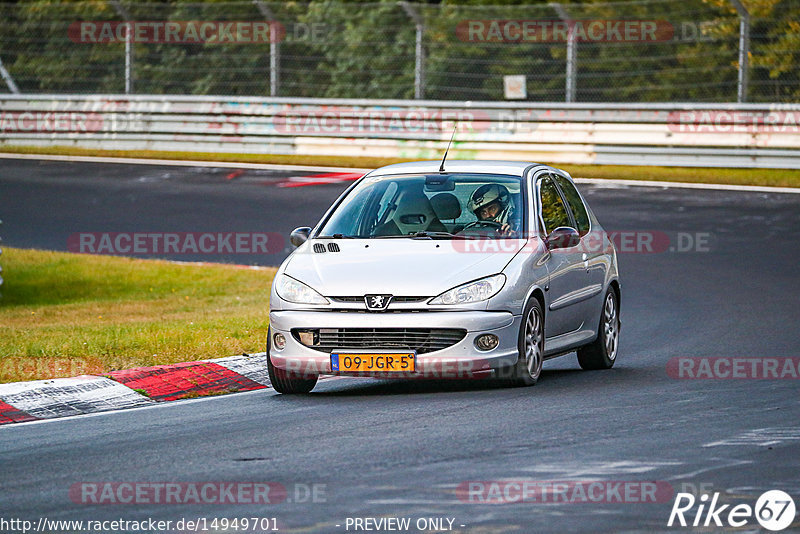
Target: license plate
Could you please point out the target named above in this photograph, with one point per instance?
(373, 362)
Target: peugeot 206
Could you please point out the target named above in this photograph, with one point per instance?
(461, 269)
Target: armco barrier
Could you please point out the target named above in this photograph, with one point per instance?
(703, 135)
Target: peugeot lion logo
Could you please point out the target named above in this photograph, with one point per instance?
(377, 302)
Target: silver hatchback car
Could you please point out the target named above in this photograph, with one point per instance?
(485, 269)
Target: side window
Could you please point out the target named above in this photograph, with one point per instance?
(554, 213)
(575, 204)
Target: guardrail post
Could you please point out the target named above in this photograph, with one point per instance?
(744, 50)
(274, 50)
(9, 80)
(419, 62)
(572, 52)
(122, 12)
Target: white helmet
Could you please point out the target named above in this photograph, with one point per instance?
(486, 194)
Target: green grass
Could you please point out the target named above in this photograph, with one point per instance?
(763, 177)
(65, 314)
(279, 159)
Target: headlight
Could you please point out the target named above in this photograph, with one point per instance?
(292, 290)
(476, 291)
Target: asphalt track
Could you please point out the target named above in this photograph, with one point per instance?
(400, 449)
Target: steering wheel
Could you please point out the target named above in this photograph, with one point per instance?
(483, 224)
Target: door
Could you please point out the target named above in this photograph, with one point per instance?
(568, 277)
(595, 260)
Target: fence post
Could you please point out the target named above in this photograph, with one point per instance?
(9, 80)
(419, 64)
(744, 50)
(122, 12)
(274, 50)
(572, 52)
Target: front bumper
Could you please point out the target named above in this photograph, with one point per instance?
(460, 360)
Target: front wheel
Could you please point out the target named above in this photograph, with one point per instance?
(284, 381)
(530, 345)
(602, 352)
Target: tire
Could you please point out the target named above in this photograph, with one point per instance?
(286, 381)
(602, 352)
(528, 368)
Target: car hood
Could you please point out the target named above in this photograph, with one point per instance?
(408, 267)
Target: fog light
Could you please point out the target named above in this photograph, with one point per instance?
(308, 338)
(278, 341)
(487, 341)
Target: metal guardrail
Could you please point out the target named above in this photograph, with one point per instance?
(703, 135)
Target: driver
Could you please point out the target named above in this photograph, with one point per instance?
(492, 203)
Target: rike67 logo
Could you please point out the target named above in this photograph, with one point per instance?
(774, 510)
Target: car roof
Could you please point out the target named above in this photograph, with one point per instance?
(513, 168)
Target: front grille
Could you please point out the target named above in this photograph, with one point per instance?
(398, 300)
(421, 340)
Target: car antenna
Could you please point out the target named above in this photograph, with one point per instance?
(441, 167)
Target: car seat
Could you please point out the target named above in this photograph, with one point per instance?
(447, 206)
(414, 213)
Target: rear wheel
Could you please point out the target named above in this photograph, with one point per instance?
(531, 346)
(284, 381)
(602, 352)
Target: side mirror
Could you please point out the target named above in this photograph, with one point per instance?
(299, 235)
(563, 237)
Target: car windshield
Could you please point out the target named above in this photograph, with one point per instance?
(440, 206)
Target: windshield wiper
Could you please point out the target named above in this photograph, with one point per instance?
(430, 235)
(434, 235)
(338, 236)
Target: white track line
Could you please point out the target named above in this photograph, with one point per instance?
(314, 168)
(180, 163)
(689, 185)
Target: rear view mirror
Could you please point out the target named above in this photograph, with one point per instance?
(299, 235)
(438, 182)
(563, 237)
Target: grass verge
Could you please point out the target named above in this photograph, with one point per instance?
(65, 314)
(761, 177)
(705, 175)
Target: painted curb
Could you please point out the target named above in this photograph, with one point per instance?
(130, 388)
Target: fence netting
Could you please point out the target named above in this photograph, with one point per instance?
(635, 51)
